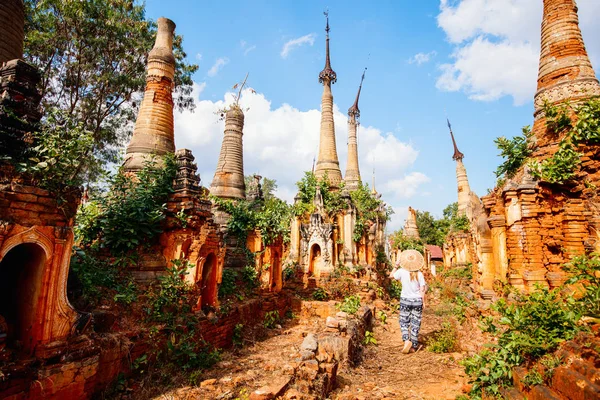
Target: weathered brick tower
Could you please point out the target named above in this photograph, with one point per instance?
(537, 226)
(352, 177)
(565, 72)
(153, 133)
(464, 190)
(12, 21)
(228, 181)
(327, 162)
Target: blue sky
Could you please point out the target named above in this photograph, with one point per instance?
(473, 60)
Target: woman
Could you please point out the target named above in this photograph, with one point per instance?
(412, 297)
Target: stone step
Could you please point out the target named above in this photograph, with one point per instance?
(541, 392)
(588, 370)
(573, 385)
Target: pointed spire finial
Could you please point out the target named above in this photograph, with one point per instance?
(457, 154)
(374, 191)
(328, 74)
(354, 111)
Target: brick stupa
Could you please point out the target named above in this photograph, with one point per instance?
(153, 134)
(565, 70)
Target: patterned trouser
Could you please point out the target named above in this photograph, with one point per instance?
(411, 311)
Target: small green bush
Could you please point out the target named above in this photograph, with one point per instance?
(527, 329)
(271, 319)
(395, 289)
(320, 294)
(369, 338)
(586, 270)
(532, 378)
(227, 286)
(288, 273)
(250, 277)
(445, 340)
(350, 304)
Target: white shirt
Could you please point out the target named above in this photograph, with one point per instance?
(410, 289)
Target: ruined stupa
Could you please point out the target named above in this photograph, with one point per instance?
(153, 134)
(352, 177)
(411, 229)
(228, 181)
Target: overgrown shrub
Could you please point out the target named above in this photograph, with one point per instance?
(460, 272)
(514, 151)
(250, 277)
(272, 318)
(586, 272)
(320, 294)
(350, 304)
(100, 279)
(289, 273)
(129, 215)
(395, 289)
(444, 340)
(170, 308)
(228, 286)
(527, 329)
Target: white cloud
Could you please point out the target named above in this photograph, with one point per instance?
(487, 71)
(280, 143)
(217, 66)
(199, 56)
(249, 49)
(422, 58)
(407, 186)
(292, 44)
(497, 45)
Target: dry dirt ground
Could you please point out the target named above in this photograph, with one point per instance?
(384, 373)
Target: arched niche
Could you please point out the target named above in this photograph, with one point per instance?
(276, 278)
(208, 283)
(315, 259)
(21, 271)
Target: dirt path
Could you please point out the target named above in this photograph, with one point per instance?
(386, 373)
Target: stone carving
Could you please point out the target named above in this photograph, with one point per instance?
(317, 232)
(254, 189)
(186, 181)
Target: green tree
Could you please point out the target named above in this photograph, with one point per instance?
(92, 56)
(429, 228)
(268, 185)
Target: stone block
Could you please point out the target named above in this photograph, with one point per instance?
(573, 385)
(310, 343)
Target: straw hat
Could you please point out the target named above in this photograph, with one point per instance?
(411, 260)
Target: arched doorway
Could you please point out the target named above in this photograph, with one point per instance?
(209, 281)
(20, 285)
(275, 284)
(315, 259)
